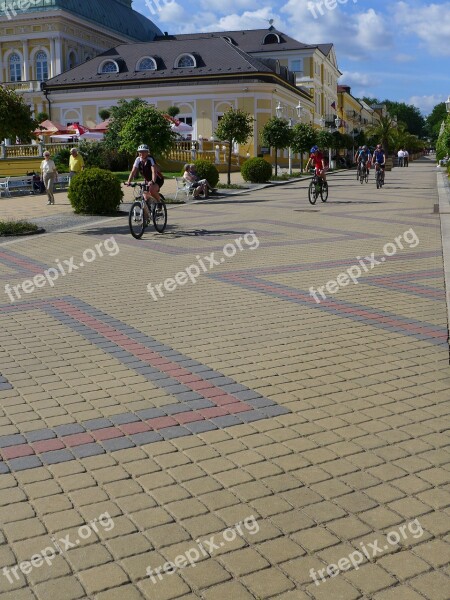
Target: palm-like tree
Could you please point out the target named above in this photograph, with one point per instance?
(384, 131)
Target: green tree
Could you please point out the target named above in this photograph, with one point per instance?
(324, 139)
(408, 114)
(384, 132)
(16, 119)
(173, 111)
(41, 116)
(434, 121)
(443, 143)
(104, 114)
(277, 134)
(146, 125)
(119, 116)
(303, 138)
(235, 126)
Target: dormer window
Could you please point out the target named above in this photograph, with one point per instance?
(185, 61)
(108, 66)
(272, 38)
(146, 64)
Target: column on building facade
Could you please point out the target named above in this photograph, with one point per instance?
(52, 57)
(26, 61)
(58, 56)
(1, 64)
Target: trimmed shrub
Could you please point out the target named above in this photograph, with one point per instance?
(206, 170)
(95, 192)
(61, 160)
(256, 170)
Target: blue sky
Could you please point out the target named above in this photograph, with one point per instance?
(388, 49)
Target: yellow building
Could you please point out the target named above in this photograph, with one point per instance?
(355, 115)
(40, 39)
(204, 76)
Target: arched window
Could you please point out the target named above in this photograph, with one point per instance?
(72, 60)
(184, 61)
(15, 67)
(146, 64)
(109, 66)
(41, 66)
(272, 38)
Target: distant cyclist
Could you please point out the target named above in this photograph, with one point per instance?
(363, 157)
(379, 158)
(319, 164)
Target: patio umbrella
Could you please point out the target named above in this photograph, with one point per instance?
(48, 127)
(92, 136)
(182, 128)
(103, 126)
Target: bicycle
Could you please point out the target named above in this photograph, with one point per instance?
(362, 173)
(379, 176)
(317, 187)
(137, 219)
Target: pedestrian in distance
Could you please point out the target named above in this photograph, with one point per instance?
(49, 174)
(76, 163)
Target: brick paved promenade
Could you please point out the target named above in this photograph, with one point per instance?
(235, 438)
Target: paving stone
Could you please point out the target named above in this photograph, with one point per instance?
(267, 583)
(87, 450)
(404, 565)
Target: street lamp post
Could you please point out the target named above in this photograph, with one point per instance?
(322, 124)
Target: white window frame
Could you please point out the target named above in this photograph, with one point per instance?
(180, 56)
(103, 63)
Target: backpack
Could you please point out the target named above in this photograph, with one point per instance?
(145, 170)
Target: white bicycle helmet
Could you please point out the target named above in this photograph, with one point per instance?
(143, 148)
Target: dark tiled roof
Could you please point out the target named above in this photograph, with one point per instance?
(113, 14)
(215, 57)
(252, 40)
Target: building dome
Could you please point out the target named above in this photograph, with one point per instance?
(116, 15)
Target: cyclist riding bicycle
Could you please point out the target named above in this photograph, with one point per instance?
(379, 159)
(147, 167)
(363, 156)
(319, 164)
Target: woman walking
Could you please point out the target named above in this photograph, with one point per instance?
(49, 175)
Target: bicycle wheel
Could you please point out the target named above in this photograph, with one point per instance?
(312, 193)
(136, 220)
(366, 177)
(159, 215)
(324, 191)
(377, 180)
(361, 176)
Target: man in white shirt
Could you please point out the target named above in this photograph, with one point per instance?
(401, 156)
(405, 158)
(48, 175)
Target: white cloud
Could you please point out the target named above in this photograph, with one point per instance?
(404, 58)
(426, 103)
(429, 22)
(258, 19)
(355, 36)
(171, 11)
(355, 78)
